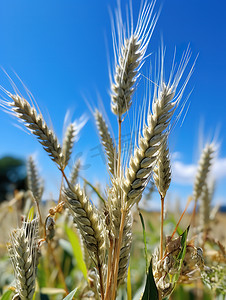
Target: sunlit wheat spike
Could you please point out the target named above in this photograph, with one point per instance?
(144, 159)
(107, 142)
(125, 249)
(88, 221)
(204, 208)
(23, 110)
(34, 183)
(115, 200)
(203, 169)
(129, 48)
(162, 170)
(150, 139)
(75, 172)
(24, 252)
(68, 142)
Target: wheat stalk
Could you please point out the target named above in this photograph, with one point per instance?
(35, 122)
(24, 252)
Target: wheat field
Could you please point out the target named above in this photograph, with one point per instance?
(98, 241)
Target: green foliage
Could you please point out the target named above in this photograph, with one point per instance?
(145, 240)
(71, 295)
(7, 295)
(150, 292)
(74, 241)
(129, 288)
(180, 257)
(12, 176)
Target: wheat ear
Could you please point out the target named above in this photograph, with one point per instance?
(162, 170)
(142, 163)
(201, 175)
(24, 252)
(204, 208)
(124, 255)
(162, 178)
(34, 182)
(68, 142)
(23, 110)
(203, 170)
(107, 142)
(90, 225)
(75, 172)
(129, 49)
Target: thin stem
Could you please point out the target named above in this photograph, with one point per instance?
(61, 186)
(119, 145)
(193, 213)
(101, 278)
(59, 267)
(161, 229)
(109, 267)
(60, 194)
(188, 202)
(39, 212)
(119, 242)
(65, 177)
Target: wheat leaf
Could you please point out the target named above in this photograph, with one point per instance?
(145, 240)
(180, 256)
(7, 295)
(129, 287)
(76, 250)
(71, 295)
(150, 291)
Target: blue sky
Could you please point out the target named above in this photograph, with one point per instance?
(60, 51)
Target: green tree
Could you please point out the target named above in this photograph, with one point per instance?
(12, 176)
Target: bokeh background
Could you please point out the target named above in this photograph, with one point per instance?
(62, 50)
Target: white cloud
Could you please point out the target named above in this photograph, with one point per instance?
(219, 168)
(182, 173)
(185, 173)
